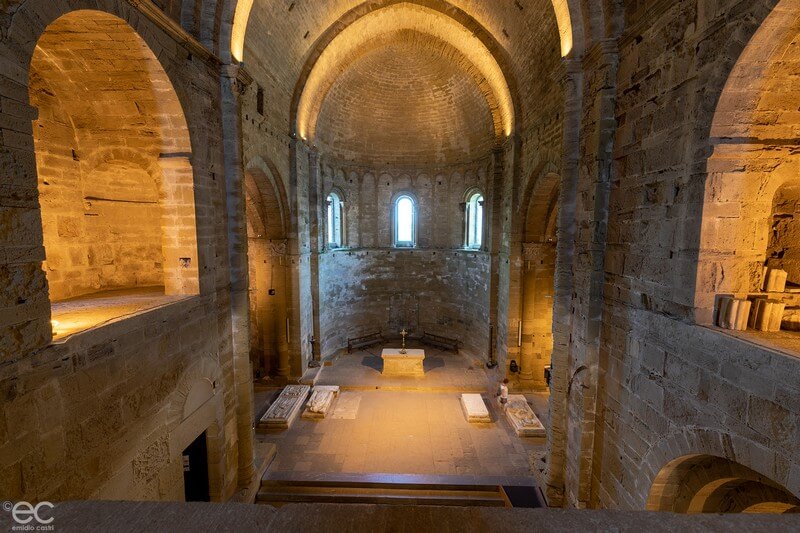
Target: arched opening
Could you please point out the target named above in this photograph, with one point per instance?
(535, 334)
(268, 272)
(473, 221)
(114, 174)
(710, 484)
(747, 279)
(405, 222)
(334, 220)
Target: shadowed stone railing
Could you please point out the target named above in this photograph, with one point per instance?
(169, 516)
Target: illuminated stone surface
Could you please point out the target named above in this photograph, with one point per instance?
(522, 418)
(285, 408)
(639, 166)
(474, 408)
(409, 364)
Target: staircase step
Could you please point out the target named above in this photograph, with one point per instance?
(280, 488)
(381, 496)
(378, 485)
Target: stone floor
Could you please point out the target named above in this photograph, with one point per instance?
(404, 432)
(92, 310)
(444, 372)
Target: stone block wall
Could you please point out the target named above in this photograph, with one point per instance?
(666, 385)
(103, 413)
(445, 292)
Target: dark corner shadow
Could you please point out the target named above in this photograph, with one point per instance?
(432, 363)
(372, 361)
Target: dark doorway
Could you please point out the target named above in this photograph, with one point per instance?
(195, 471)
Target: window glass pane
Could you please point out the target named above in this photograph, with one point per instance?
(474, 221)
(478, 221)
(405, 220)
(331, 222)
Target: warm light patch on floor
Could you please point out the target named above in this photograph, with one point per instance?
(404, 432)
(92, 310)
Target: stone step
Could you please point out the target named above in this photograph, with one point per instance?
(285, 494)
(279, 488)
(398, 481)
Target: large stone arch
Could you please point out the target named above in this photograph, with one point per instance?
(574, 34)
(358, 27)
(691, 441)
(751, 142)
(26, 25)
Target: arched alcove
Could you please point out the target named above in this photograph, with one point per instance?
(114, 169)
(751, 190)
(265, 208)
(709, 484)
(535, 335)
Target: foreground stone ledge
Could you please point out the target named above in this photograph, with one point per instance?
(88, 516)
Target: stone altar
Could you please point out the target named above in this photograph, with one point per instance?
(522, 418)
(403, 364)
(321, 401)
(474, 408)
(285, 408)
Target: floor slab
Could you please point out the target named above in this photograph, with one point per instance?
(403, 432)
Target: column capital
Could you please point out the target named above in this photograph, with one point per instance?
(237, 75)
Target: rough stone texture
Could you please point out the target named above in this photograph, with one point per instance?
(442, 292)
(102, 413)
(129, 516)
(658, 158)
(436, 112)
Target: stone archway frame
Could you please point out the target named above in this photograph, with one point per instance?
(27, 26)
(197, 406)
(706, 441)
(732, 233)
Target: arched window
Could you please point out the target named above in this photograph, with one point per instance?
(335, 220)
(474, 221)
(405, 222)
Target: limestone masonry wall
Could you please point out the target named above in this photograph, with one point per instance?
(670, 388)
(103, 414)
(438, 291)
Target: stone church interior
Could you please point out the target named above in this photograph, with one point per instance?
(400, 264)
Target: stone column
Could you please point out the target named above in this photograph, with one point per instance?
(528, 305)
(570, 77)
(577, 329)
(233, 82)
(279, 255)
(316, 206)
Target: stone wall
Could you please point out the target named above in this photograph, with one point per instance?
(438, 291)
(438, 287)
(665, 386)
(110, 138)
(104, 413)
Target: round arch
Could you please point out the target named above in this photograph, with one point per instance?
(752, 140)
(701, 483)
(673, 448)
(113, 161)
(569, 16)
